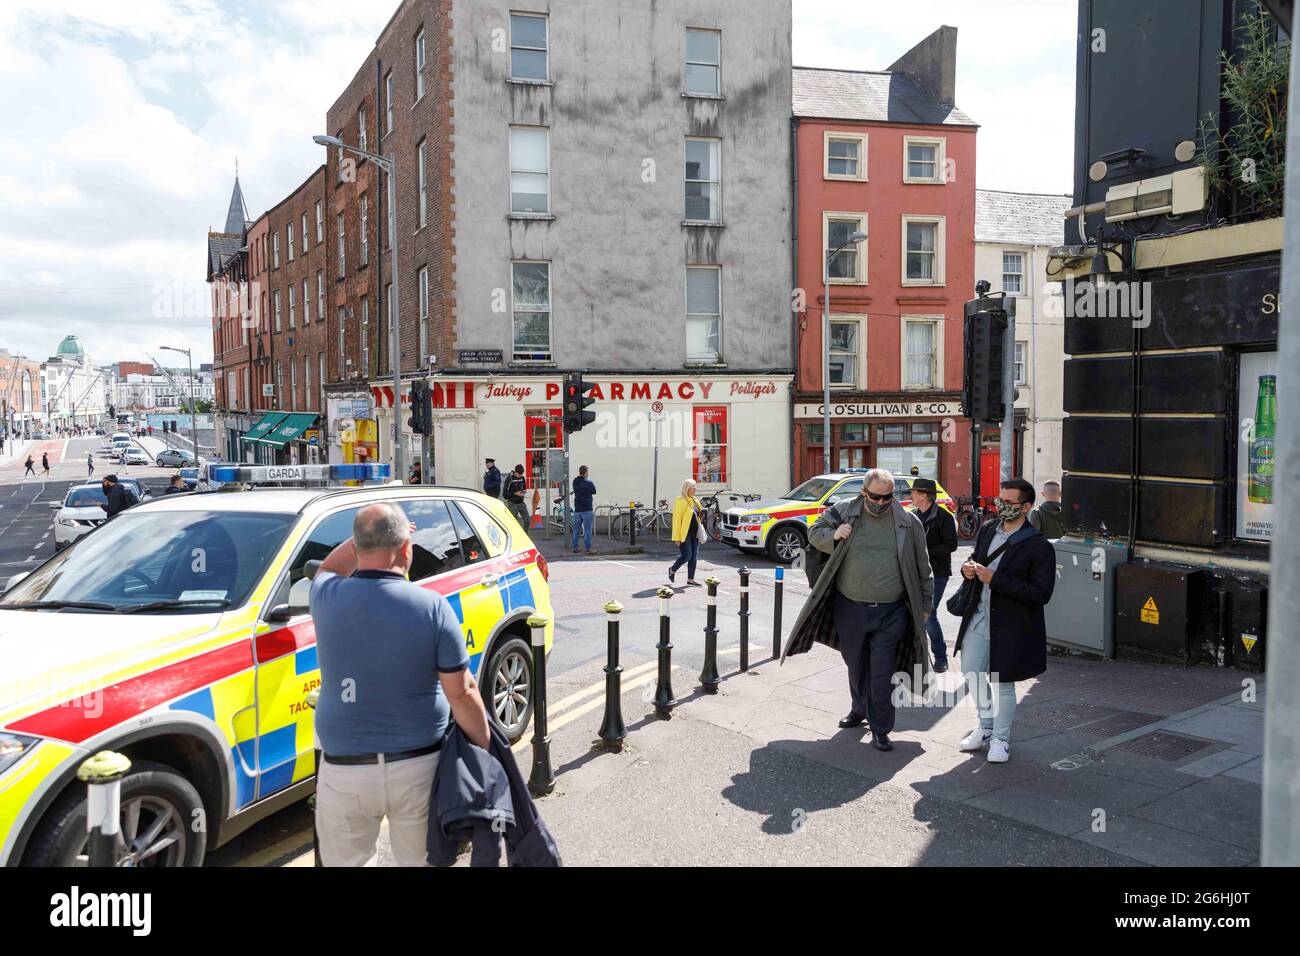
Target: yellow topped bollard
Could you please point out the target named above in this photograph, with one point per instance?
(102, 774)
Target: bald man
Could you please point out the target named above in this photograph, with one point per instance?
(393, 670)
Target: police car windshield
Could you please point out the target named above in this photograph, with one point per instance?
(814, 489)
(200, 560)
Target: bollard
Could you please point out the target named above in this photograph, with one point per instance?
(709, 679)
(631, 523)
(542, 780)
(776, 614)
(102, 774)
(664, 690)
(612, 730)
(744, 619)
(312, 698)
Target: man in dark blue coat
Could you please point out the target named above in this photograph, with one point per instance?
(491, 478)
(1004, 638)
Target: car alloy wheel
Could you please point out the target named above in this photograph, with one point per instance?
(509, 681)
(786, 544)
(153, 835)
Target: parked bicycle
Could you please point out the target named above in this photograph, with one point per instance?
(969, 517)
(712, 510)
(657, 521)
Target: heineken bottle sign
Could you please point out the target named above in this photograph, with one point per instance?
(1257, 401)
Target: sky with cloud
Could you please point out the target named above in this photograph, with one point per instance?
(125, 121)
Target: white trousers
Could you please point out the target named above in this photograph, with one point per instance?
(352, 801)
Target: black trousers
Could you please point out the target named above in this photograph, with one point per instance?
(869, 636)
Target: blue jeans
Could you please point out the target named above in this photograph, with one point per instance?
(932, 627)
(994, 700)
(583, 521)
(688, 551)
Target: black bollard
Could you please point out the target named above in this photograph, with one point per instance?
(102, 774)
(776, 614)
(542, 779)
(313, 697)
(744, 619)
(709, 678)
(612, 730)
(631, 523)
(664, 691)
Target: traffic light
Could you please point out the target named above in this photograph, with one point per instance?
(982, 378)
(416, 399)
(426, 408)
(575, 403)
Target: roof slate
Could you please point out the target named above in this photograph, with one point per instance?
(881, 97)
(1024, 218)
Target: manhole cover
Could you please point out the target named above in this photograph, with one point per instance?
(1120, 723)
(1067, 716)
(1162, 745)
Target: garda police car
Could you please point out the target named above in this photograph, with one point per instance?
(779, 526)
(178, 634)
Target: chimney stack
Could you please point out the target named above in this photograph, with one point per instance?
(933, 64)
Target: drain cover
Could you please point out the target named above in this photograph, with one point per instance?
(1163, 745)
(1067, 716)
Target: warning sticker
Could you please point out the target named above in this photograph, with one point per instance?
(1249, 642)
(1150, 613)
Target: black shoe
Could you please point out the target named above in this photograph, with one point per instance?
(672, 575)
(941, 668)
(881, 741)
(852, 720)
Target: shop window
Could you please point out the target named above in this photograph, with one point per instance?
(710, 434)
(543, 438)
(900, 459)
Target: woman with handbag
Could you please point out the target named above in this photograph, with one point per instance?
(1003, 638)
(688, 532)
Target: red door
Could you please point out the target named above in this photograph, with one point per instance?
(990, 472)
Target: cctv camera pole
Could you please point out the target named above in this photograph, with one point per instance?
(1008, 433)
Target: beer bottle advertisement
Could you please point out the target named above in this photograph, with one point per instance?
(1257, 411)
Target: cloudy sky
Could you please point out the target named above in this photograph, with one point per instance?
(124, 121)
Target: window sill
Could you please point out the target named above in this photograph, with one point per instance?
(851, 283)
(703, 96)
(531, 216)
(705, 223)
(830, 177)
(914, 284)
(532, 363)
(704, 365)
(521, 81)
(923, 182)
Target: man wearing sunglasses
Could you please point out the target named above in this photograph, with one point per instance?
(871, 599)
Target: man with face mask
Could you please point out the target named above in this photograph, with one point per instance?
(882, 594)
(1004, 639)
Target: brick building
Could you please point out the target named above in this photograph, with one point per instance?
(20, 394)
(890, 155)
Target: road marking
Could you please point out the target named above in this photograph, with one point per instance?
(292, 844)
(553, 725)
(31, 557)
(597, 687)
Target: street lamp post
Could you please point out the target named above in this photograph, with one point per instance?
(189, 387)
(386, 163)
(852, 240)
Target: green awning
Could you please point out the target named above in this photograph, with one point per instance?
(293, 425)
(267, 422)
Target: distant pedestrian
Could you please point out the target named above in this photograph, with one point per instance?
(30, 470)
(90, 464)
(45, 463)
(1004, 639)
(940, 543)
(416, 476)
(686, 532)
(515, 486)
(394, 673)
(491, 478)
(584, 515)
(1048, 517)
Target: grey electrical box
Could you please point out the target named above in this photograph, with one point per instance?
(1081, 615)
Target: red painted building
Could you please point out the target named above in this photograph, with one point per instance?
(888, 154)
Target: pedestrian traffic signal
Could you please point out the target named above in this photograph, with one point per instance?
(575, 403)
(982, 379)
(416, 400)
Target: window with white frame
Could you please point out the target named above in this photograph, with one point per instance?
(921, 344)
(388, 102)
(365, 335)
(923, 242)
(531, 307)
(846, 351)
(343, 248)
(1020, 363)
(419, 66)
(293, 312)
(306, 381)
(288, 232)
(529, 46)
(320, 223)
(530, 181)
(422, 292)
(849, 265)
(703, 180)
(361, 127)
(1013, 273)
(846, 156)
(279, 383)
(923, 159)
(306, 304)
(277, 310)
(343, 324)
(703, 314)
(305, 240)
(421, 185)
(275, 250)
(293, 384)
(320, 293)
(704, 62)
(321, 379)
(365, 230)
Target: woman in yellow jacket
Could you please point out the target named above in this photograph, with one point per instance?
(686, 523)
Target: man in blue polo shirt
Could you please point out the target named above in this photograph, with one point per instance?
(393, 671)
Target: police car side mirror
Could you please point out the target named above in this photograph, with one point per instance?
(56, 505)
(299, 598)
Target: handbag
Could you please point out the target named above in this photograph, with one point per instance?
(967, 597)
(700, 534)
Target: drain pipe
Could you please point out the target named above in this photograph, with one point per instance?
(794, 284)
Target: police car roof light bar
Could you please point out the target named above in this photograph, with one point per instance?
(293, 474)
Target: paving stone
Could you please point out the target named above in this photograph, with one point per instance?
(1216, 763)
(1063, 802)
(1251, 772)
(1243, 729)
(1160, 845)
(1220, 808)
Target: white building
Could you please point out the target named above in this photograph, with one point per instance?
(135, 392)
(1013, 232)
(72, 387)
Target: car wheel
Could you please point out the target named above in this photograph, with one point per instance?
(785, 543)
(160, 464)
(159, 810)
(508, 686)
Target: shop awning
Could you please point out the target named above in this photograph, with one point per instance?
(267, 422)
(293, 425)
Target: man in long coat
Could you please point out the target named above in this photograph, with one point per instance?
(869, 600)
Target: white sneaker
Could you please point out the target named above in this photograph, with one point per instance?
(976, 739)
(999, 751)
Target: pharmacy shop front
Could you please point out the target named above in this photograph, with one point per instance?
(650, 433)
